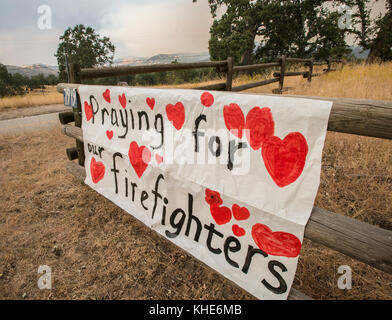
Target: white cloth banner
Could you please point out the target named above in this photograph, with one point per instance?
(230, 178)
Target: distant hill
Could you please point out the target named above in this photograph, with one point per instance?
(33, 70)
(163, 59)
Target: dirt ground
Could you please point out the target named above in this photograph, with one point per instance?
(98, 251)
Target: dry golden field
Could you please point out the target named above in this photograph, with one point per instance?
(32, 99)
(97, 251)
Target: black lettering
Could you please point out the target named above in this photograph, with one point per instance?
(232, 150)
(161, 131)
(156, 194)
(143, 114)
(282, 284)
(196, 132)
(217, 152)
(114, 118)
(124, 123)
(194, 218)
(228, 248)
(176, 225)
(211, 232)
(115, 170)
(92, 106)
(251, 252)
(143, 197)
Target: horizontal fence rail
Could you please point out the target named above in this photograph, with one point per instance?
(127, 70)
(371, 118)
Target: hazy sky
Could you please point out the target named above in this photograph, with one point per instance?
(137, 28)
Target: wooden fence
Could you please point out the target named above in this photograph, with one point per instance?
(364, 242)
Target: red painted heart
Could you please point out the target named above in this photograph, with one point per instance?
(234, 119)
(151, 103)
(221, 215)
(97, 170)
(139, 157)
(123, 100)
(88, 110)
(106, 95)
(159, 159)
(207, 99)
(240, 213)
(259, 125)
(276, 243)
(237, 230)
(109, 134)
(285, 159)
(176, 114)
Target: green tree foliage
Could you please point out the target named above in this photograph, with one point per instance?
(17, 84)
(83, 46)
(381, 45)
(298, 28)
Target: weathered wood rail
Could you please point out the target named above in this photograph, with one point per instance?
(364, 242)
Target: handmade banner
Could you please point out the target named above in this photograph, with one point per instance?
(230, 178)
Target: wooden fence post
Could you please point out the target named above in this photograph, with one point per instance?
(74, 75)
(282, 62)
(329, 64)
(310, 70)
(229, 79)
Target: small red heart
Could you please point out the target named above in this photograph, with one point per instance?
(213, 197)
(221, 215)
(259, 125)
(123, 100)
(207, 99)
(106, 95)
(285, 159)
(88, 110)
(276, 243)
(139, 157)
(159, 159)
(151, 103)
(237, 230)
(240, 213)
(97, 170)
(176, 114)
(234, 119)
(109, 134)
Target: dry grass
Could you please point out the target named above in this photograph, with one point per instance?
(98, 251)
(35, 98)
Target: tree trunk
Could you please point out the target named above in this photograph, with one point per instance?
(380, 48)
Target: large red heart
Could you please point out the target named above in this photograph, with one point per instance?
(285, 159)
(276, 243)
(106, 95)
(221, 215)
(123, 100)
(151, 103)
(176, 114)
(97, 170)
(234, 119)
(259, 125)
(240, 213)
(88, 110)
(139, 157)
